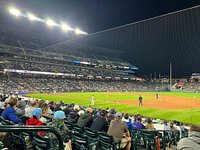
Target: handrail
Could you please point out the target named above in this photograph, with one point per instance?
(13, 128)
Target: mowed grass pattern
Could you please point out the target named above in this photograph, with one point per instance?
(112, 100)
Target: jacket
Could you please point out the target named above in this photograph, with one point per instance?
(85, 120)
(9, 114)
(35, 122)
(190, 143)
(73, 117)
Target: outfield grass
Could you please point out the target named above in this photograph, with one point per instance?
(110, 100)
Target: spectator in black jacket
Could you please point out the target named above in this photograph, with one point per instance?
(86, 119)
(100, 123)
(73, 115)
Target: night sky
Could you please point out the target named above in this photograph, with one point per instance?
(97, 15)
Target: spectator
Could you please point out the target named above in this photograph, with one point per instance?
(34, 121)
(73, 115)
(100, 123)
(20, 111)
(86, 119)
(9, 112)
(128, 121)
(28, 110)
(149, 124)
(120, 132)
(58, 124)
(193, 140)
(138, 125)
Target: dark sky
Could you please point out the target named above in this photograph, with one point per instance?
(96, 15)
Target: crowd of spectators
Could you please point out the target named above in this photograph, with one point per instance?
(117, 124)
(20, 83)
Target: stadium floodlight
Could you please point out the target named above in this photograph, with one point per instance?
(32, 17)
(79, 32)
(66, 27)
(14, 12)
(50, 23)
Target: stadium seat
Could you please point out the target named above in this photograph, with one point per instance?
(106, 142)
(78, 129)
(82, 142)
(5, 122)
(41, 143)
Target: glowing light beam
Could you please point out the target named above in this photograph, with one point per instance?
(14, 12)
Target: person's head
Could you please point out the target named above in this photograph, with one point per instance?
(12, 102)
(89, 110)
(149, 121)
(103, 113)
(33, 103)
(165, 122)
(59, 116)
(126, 116)
(139, 119)
(195, 128)
(76, 108)
(37, 113)
(118, 116)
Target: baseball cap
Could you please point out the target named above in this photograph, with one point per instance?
(59, 115)
(118, 114)
(37, 112)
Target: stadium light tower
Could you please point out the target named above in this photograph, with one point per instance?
(79, 32)
(14, 12)
(32, 17)
(66, 27)
(50, 23)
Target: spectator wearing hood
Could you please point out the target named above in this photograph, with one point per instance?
(73, 115)
(35, 120)
(193, 140)
(20, 111)
(85, 120)
(9, 112)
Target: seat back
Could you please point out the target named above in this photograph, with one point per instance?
(78, 129)
(40, 143)
(5, 122)
(107, 142)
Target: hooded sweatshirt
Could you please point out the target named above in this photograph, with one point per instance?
(85, 120)
(35, 122)
(190, 143)
(73, 117)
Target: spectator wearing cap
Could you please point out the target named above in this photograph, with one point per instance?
(119, 130)
(35, 120)
(73, 115)
(100, 123)
(9, 112)
(85, 120)
(138, 125)
(192, 142)
(58, 124)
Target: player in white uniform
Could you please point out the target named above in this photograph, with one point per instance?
(92, 102)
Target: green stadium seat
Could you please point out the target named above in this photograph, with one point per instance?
(82, 142)
(41, 143)
(106, 142)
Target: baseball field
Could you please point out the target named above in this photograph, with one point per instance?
(184, 107)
